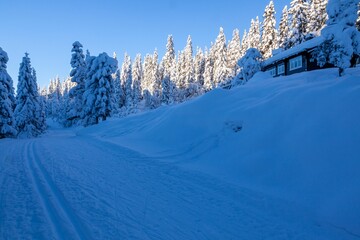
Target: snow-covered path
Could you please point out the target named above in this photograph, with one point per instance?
(65, 186)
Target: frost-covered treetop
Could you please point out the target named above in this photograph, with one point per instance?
(77, 58)
(3, 59)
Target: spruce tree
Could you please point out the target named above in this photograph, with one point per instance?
(269, 36)
(254, 36)
(41, 113)
(78, 75)
(168, 63)
(209, 72)
(155, 86)
(358, 18)
(244, 43)
(199, 67)
(298, 22)
(250, 63)
(169, 57)
(126, 80)
(7, 100)
(221, 70)
(317, 16)
(234, 53)
(191, 87)
(99, 89)
(147, 76)
(284, 29)
(28, 107)
(137, 75)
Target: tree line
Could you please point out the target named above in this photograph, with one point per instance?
(98, 88)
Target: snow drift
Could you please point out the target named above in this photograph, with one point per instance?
(295, 137)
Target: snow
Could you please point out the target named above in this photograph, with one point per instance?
(277, 158)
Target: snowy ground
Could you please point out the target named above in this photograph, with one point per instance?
(275, 159)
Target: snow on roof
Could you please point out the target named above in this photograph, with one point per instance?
(295, 50)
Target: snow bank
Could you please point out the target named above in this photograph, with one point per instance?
(297, 137)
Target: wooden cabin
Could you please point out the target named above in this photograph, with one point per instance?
(294, 60)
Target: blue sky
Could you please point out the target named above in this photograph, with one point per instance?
(47, 29)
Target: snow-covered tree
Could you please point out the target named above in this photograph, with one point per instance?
(155, 86)
(284, 29)
(78, 75)
(298, 22)
(191, 87)
(41, 112)
(166, 90)
(7, 100)
(28, 107)
(342, 40)
(119, 91)
(317, 16)
(126, 79)
(169, 57)
(54, 98)
(234, 53)
(253, 37)
(250, 63)
(137, 75)
(221, 70)
(99, 89)
(269, 35)
(199, 67)
(244, 43)
(358, 18)
(168, 63)
(209, 72)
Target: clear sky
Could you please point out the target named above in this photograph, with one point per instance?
(46, 29)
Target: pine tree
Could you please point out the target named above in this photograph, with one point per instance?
(27, 102)
(221, 70)
(234, 53)
(137, 75)
(7, 100)
(284, 29)
(78, 75)
(298, 22)
(269, 35)
(99, 89)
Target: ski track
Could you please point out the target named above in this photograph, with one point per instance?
(62, 220)
(106, 191)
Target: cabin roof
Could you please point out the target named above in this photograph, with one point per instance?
(310, 44)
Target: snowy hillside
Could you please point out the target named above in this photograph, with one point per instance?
(277, 158)
(295, 137)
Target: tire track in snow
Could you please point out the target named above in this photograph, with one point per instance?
(63, 221)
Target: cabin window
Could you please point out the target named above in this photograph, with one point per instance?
(272, 71)
(296, 63)
(281, 69)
